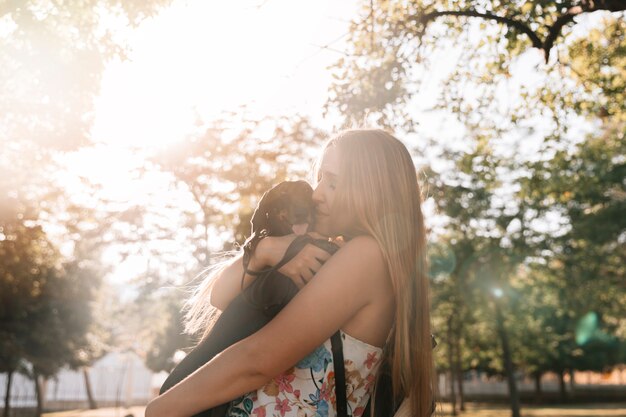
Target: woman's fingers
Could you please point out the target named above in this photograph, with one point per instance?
(314, 265)
(305, 264)
(302, 282)
(305, 277)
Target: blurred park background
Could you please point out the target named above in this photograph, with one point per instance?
(137, 137)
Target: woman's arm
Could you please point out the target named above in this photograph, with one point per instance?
(269, 251)
(341, 288)
(227, 283)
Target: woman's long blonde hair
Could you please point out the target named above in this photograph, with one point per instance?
(200, 315)
(379, 189)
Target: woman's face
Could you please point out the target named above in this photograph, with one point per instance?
(324, 192)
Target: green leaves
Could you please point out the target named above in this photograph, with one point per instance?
(527, 7)
(46, 301)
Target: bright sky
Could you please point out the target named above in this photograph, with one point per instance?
(201, 58)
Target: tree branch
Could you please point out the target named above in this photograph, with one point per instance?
(554, 31)
(585, 6)
(610, 5)
(426, 18)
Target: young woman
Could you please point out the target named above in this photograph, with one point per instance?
(375, 289)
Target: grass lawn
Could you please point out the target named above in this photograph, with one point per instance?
(574, 410)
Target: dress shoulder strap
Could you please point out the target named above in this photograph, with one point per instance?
(340, 374)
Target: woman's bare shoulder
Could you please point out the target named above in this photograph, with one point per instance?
(371, 324)
(365, 248)
(365, 242)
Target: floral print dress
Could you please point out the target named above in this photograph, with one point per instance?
(308, 389)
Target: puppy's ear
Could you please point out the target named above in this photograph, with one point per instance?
(259, 217)
(255, 221)
(304, 186)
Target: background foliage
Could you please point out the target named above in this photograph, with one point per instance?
(525, 172)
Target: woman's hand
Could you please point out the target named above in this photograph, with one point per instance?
(302, 267)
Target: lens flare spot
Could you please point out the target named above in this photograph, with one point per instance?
(586, 328)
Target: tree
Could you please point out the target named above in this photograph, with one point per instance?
(484, 232)
(583, 187)
(45, 303)
(18, 256)
(60, 322)
(51, 60)
(169, 337)
(586, 260)
(388, 62)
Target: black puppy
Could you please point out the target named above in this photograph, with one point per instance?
(286, 208)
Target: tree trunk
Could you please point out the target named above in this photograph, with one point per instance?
(572, 383)
(452, 393)
(451, 366)
(7, 396)
(39, 409)
(92, 402)
(459, 370)
(562, 391)
(508, 362)
(538, 393)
